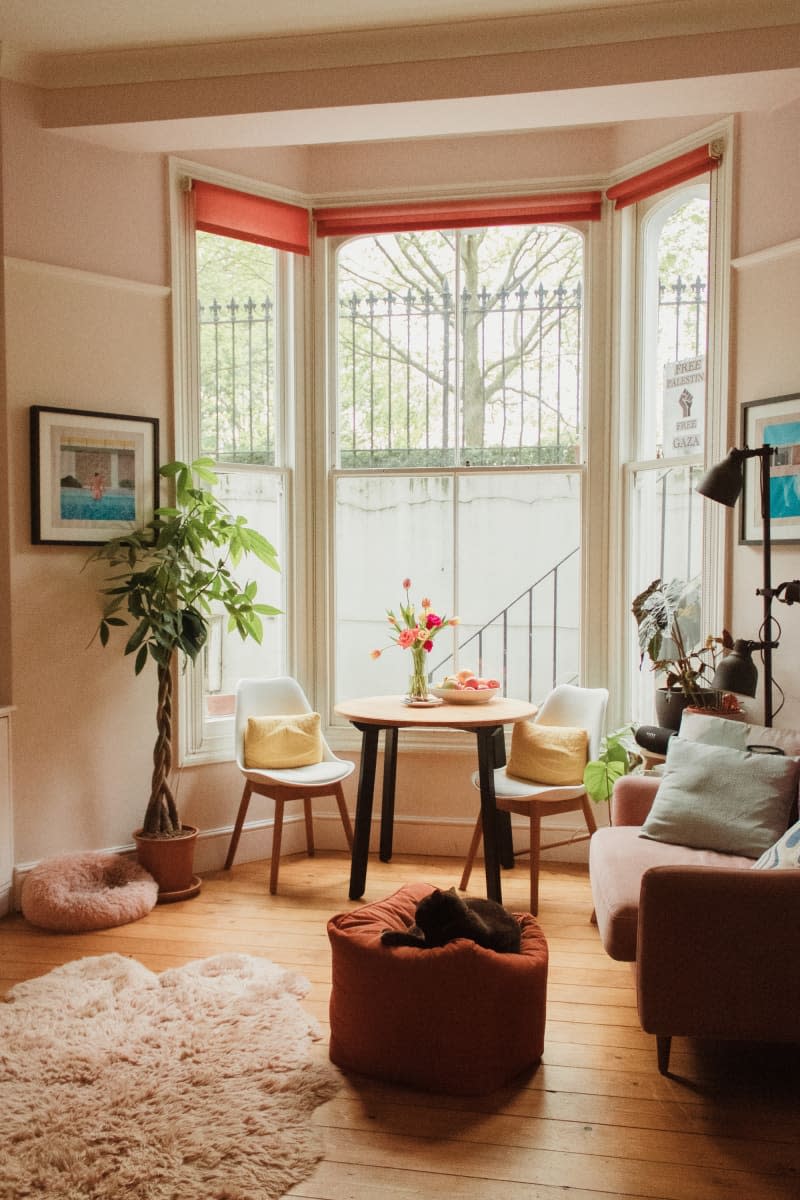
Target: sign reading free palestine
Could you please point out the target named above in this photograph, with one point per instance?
(684, 406)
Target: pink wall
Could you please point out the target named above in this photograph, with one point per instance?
(767, 179)
(766, 361)
(5, 594)
(76, 205)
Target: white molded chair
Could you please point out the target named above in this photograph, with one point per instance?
(579, 708)
(282, 696)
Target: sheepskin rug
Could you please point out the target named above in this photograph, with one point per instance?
(198, 1083)
(74, 893)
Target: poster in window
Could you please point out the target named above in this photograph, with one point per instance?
(773, 422)
(684, 406)
(94, 476)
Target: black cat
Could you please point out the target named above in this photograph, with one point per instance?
(442, 917)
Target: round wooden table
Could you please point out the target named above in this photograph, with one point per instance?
(372, 714)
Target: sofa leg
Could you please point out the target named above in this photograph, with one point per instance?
(663, 1046)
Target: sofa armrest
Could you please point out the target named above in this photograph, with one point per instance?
(719, 953)
(632, 798)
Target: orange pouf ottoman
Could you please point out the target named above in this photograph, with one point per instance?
(456, 1018)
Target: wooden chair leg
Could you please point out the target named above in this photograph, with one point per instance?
(277, 835)
(343, 813)
(237, 828)
(477, 834)
(309, 826)
(536, 840)
(588, 815)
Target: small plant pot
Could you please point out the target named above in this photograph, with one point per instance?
(170, 861)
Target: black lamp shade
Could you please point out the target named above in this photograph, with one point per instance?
(724, 482)
(737, 672)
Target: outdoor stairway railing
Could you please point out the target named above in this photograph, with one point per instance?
(548, 583)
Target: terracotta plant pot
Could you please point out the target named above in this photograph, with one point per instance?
(170, 861)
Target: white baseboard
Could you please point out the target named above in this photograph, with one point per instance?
(444, 837)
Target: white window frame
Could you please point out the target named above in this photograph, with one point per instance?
(593, 469)
(629, 320)
(202, 740)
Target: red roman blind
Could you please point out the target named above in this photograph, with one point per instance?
(250, 218)
(458, 214)
(665, 175)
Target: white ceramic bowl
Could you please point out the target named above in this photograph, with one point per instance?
(466, 695)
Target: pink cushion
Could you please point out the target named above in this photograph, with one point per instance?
(456, 1018)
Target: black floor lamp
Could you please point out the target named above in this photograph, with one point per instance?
(737, 673)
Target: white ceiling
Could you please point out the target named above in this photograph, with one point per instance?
(69, 44)
(57, 26)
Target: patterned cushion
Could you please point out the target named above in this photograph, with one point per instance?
(785, 852)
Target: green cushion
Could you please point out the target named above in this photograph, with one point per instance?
(720, 798)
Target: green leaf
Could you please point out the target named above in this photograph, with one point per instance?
(141, 659)
(599, 779)
(171, 469)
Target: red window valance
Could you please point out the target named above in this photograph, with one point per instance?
(250, 218)
(665, 175)
(458, 214)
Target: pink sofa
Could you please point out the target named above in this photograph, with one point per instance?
(716, 945)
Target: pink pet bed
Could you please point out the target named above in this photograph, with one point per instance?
(457, 1018)
(74, 893)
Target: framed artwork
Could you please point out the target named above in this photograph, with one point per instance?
(774, 422)
(94, 475)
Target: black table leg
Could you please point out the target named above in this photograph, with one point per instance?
(486, 762)
(363, 822)
(387, 803)
(505, 844)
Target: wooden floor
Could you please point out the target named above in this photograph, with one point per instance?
(595, 1120)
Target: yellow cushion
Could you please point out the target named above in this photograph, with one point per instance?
(283, 741)
(552, 754)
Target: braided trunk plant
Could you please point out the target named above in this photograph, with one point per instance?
(174, 571)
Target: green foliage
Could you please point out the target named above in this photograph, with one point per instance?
(616, 758)
(177, 567)
(667, 615)
(175, 570)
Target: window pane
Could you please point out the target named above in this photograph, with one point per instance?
(460, 346)
(520, 292)
(676, 279)
(667, 536)
(236, 296)
(519, 610)
(388, 528)
(518, 580)
(258, 497)
(396, 350)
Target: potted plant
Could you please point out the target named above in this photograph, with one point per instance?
(667, 615)
(175, 572)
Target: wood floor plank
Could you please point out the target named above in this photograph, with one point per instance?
(595, 1121)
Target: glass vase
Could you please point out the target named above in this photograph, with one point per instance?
(418, 679)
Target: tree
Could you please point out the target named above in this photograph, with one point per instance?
(501, 295)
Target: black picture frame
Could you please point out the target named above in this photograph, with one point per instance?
(94, 475)
(774, 421)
